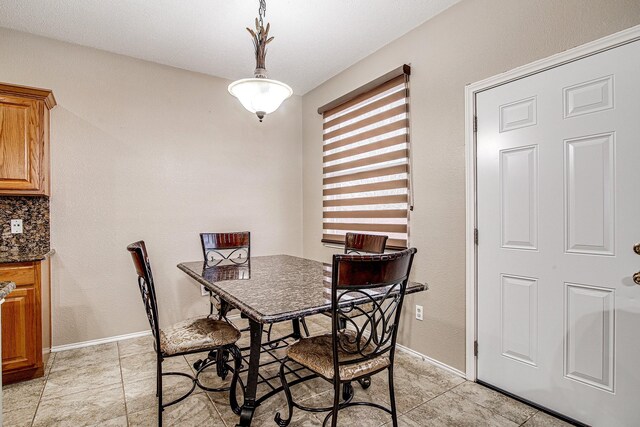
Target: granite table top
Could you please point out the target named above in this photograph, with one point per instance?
(6, 288)
(271, 289)
(9, 257)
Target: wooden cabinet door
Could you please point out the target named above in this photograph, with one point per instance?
(22, 145)
(21, 323)
(19, 330)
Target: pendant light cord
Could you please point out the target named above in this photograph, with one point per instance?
(262, 10)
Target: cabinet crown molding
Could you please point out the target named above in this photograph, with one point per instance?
(45, 95)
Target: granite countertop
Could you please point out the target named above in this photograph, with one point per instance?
(273, 288)
(6, 288)
(9, 257)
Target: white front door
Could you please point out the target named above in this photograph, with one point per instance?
(558, 205)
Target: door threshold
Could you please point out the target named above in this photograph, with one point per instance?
(535, 405)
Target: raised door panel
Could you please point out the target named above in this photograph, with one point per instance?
(519, 323)
(589, 335)
(19, 329)
(589, 191)
(22, 146)
(519, 197)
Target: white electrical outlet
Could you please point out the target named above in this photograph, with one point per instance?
(16, 226)
(419, 312)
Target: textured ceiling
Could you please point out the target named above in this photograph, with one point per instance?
(314, 39)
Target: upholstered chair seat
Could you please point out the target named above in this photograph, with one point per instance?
(316, 353)
(200, 333)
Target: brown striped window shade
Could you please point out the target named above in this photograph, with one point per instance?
(365, 181)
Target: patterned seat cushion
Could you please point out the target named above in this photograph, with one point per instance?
(201, 333)
(316, 353)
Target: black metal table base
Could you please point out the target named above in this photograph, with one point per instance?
(272, 381)
(270, 346)
(252, 365)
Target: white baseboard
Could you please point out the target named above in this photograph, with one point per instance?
(106, 340)
(432, 361)
(64, 347)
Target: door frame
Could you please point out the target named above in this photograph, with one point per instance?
(471, 90)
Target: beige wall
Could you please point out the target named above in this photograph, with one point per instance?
(144, 151)
(467, 43)
(141, 150)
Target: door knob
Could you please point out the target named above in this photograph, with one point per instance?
(636, 278)
(636, 248)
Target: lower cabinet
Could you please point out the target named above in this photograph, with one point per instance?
(22, 350)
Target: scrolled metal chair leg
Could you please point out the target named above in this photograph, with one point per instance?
(233, 401)
(159, 390)
(392, 398)
(336, 406)
(201, 362)
(221, 363)
(283, 422)
(347, 391)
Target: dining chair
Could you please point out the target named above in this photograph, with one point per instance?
(356, 243)
(228, 248)
(224, 247)
(186, 337)
(361, 244)
(363, 348)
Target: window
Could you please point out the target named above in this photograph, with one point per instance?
(365, 181)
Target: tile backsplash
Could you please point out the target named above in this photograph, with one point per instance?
(34, 212)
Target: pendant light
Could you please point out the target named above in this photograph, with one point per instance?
(259, 94)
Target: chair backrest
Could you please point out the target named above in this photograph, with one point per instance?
(356, 243)
(378, 280)
(219, 247)
(140, 257)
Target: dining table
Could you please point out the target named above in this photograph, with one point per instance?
(268, 290)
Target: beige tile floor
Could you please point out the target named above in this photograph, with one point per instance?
(114, 385)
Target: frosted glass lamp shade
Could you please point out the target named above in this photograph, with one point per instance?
(260, 96)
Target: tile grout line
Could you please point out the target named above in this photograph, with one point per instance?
(434, 397)
(426, 401)
(488, 409)
(206, 393)
(192, 371)
(491, 409)
(124, 395)
(527, 420)
(429, 400)
(46, 378)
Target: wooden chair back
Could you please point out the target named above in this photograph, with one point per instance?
(219, 247)
(140, 257)
(373, 286)
(356, 243)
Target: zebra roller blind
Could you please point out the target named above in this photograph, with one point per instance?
(366, 162)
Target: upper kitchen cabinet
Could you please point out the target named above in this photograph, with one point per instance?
(24, 140)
